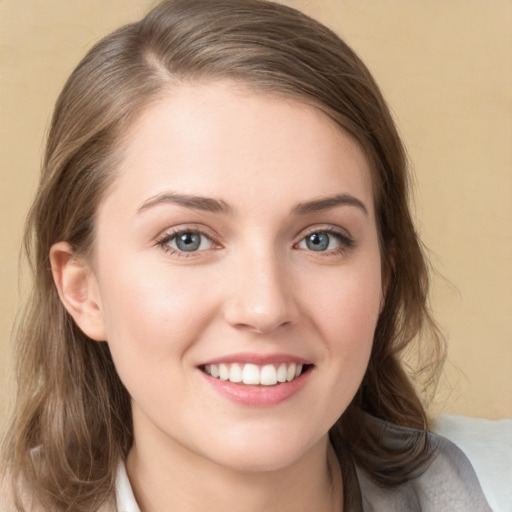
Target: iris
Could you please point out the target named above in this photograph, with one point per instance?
(318, 241)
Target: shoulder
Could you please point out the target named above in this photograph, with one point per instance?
(448, 484)
(450, 481)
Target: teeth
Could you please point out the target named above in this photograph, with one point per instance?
(290, 373)
(223, 372)
(235, 375)
(281, 373)
(268, 375)
(251, 374)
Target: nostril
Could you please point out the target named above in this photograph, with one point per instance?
(261, 299)
(259, 320)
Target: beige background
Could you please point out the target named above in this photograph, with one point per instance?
(445, 68)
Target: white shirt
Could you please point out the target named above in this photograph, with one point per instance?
(124, 494)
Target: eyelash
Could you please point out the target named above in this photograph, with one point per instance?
(345, 242)
(164, 240)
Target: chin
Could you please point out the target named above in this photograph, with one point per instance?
(253, 461)
(264, 452)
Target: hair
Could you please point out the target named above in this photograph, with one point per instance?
(72, 420)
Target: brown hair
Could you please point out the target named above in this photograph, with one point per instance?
(71, 406)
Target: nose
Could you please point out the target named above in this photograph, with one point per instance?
(261, 295)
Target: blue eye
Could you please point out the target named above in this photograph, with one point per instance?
(320, 241)
(187, 241)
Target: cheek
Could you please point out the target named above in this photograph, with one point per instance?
(347, 304)
(346, 315)
(151, 325)
(151, 318)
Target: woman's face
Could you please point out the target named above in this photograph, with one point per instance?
(237, 246)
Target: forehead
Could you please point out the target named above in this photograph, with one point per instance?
(224, 139)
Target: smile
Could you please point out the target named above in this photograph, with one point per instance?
(253, 374)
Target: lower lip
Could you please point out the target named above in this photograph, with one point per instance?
(257, 396)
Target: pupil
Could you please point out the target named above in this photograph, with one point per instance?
(188, 242)
(317, 241)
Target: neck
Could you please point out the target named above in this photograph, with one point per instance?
(170, 477)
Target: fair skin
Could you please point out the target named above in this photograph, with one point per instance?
(240, 231)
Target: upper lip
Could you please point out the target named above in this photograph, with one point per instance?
(258, 359)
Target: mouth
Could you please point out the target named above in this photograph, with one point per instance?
(250, 374)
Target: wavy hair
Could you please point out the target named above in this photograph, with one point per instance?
(71, 405)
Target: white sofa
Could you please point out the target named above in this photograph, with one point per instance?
(488, 445)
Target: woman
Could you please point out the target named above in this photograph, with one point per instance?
(226, 274)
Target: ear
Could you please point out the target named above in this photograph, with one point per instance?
(78, 290)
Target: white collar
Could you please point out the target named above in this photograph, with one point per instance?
(125, 499)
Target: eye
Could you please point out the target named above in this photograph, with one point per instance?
(323, 241)
(186, 241)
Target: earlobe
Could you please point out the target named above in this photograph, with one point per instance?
(77, 289)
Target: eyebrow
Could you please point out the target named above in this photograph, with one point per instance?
(210, 204)
(330, 202)
(206, 204)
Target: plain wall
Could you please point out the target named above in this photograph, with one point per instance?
(445, 69)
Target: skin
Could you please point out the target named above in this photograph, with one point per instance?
(253, 286)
